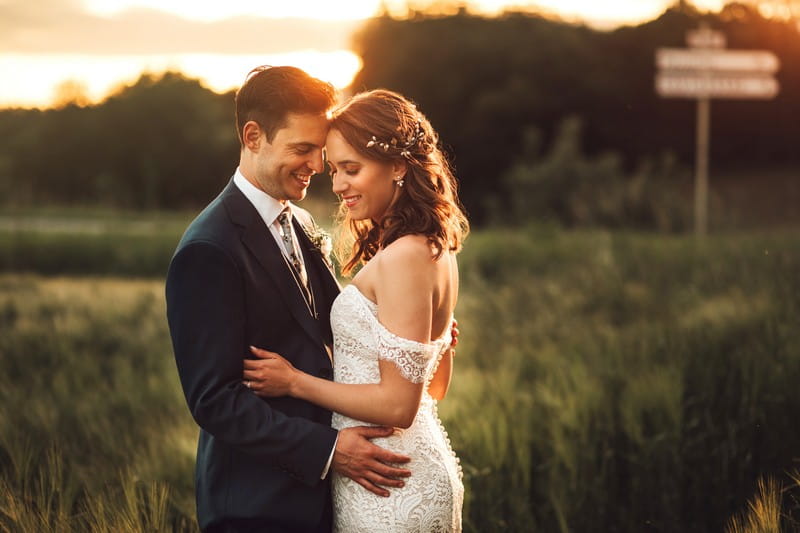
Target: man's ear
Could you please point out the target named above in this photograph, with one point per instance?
(252, 135)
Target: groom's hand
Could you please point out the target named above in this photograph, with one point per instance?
(364, 462)
(453, 337)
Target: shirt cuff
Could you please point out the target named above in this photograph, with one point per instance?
(330, 459)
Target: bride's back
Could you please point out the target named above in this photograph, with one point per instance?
(416, 292)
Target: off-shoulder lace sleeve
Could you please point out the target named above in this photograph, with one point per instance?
(413, 358)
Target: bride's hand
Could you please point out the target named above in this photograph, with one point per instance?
(270, 375)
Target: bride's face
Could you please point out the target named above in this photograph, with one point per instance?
(366, 186)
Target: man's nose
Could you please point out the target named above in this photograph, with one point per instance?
(316, 163)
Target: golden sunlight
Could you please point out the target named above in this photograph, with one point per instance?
(39, 79)
(604, 13)
(224, 72)
(208, 11)
(35, 78)
(587, 10)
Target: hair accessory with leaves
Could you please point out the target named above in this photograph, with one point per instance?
(395, 144)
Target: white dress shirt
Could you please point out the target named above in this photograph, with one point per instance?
(268, 209)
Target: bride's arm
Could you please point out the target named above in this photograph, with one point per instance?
(392, 402)
(440, 382)
(404, 289)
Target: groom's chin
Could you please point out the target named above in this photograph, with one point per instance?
(296, 194)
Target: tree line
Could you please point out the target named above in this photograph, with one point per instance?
(486, 82)
(489, 85)
(164, 142)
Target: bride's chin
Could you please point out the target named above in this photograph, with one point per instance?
(358, 216)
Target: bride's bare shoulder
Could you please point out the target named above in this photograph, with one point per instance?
(408, 250)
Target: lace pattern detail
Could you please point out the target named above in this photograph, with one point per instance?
(413, 359)
(433, 496)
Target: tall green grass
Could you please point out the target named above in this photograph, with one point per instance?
(624, 382)
(605, 382)
(763, 513)
(94, 434)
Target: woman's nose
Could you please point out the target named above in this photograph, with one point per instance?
(339, 185)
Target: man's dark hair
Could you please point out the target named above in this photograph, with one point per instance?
(269, 94)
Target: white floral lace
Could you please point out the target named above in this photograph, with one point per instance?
(432, 498)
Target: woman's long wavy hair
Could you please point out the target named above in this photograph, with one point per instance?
(427, 204)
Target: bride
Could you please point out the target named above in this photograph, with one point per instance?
(391, 325)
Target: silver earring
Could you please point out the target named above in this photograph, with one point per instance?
(399, 181)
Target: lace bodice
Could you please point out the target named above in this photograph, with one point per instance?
(361, 340)
(433, 495)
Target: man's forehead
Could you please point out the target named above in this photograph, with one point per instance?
(310, 119)
(304, 125)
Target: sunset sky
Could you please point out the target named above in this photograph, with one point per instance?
(102, 43)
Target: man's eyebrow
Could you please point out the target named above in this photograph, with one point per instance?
(304, 144)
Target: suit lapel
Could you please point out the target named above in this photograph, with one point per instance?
(257, 238)
(322, 282)
(312, 253)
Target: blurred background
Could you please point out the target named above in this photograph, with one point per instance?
(616, 372)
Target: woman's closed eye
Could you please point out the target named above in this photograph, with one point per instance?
(349, 171)
(352, 170)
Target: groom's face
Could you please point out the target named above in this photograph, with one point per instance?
(284, 166)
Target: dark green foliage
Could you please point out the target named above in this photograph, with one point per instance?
(102, 242)
(54, 254)
(81, 242)
(162, 142)
(485, 82)
(168, 142)
(567, 187)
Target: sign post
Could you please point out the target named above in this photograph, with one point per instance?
(705, 71)
(701, 165)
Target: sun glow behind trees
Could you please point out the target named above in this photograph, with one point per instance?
(208, 11)
(38, 62)
(38, 80)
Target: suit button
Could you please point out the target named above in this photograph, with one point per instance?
(326, 373)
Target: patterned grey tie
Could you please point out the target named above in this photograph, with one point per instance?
(292, 252)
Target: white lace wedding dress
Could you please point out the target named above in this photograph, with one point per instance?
(432, 497)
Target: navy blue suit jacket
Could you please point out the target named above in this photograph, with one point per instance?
(229, 287)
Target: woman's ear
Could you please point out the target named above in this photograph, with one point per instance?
(399, 167)
(251, 135)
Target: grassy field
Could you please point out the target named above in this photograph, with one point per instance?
(629, 382)
(95, 241)
(94, 433)
(605, 382)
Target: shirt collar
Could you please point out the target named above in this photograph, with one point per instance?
(268, 207)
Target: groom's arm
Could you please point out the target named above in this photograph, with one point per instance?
(206, 314)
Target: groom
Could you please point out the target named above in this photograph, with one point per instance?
(246, 273)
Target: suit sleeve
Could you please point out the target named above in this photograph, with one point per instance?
(206, 314)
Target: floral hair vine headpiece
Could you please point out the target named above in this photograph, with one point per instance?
(394, 143)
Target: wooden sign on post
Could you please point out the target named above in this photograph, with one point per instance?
(707, 71)
(677, 85)
(747, 61)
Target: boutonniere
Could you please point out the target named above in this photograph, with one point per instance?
(321, 241)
